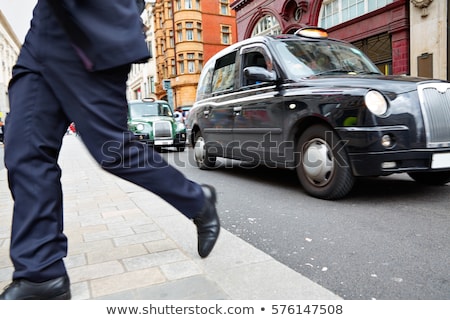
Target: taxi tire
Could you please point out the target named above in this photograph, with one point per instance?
(202, 157)
(330, 175)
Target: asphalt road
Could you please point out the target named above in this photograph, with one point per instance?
(389, 239)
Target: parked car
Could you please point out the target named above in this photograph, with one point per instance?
(320, 107)
(152, 121)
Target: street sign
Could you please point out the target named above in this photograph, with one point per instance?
(166, 84)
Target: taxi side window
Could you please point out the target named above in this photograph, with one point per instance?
(164, 110)
(253, 59)
(204, 84)
(224, 73)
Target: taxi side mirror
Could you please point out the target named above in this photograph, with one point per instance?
(259, 74)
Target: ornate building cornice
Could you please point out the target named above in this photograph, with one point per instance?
(423, 5)
(238, 4)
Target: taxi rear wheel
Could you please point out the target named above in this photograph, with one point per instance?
(201, 155)
(322, 165)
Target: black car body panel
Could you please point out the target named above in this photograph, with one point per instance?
(260, 113)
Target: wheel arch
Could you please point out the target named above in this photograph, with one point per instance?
(192, 134)
(304, 123)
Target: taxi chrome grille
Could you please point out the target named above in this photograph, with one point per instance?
(162, 130)
(435, 104)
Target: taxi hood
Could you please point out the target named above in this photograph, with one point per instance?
(394, 84)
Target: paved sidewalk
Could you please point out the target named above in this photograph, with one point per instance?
(126, 243)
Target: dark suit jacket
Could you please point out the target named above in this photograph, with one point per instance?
(105, 33)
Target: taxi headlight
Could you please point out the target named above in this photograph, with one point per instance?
(375, 102)
(140, 127)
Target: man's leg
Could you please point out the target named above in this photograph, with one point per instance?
(98, 106)
(36, 125)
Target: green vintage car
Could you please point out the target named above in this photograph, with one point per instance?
(152, 121)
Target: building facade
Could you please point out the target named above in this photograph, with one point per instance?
(9, 51)
(143, 77)
(395, 34)
(430, 38)
(186, 34)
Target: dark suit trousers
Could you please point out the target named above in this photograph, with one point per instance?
(50, 88)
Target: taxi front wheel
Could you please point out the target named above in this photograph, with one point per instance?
(322, 164)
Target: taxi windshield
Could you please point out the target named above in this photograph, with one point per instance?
(149, 109)
(314, 58)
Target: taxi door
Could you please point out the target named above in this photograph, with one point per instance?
(257, 112)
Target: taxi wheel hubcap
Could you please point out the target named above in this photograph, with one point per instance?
(199, 150)
(318, 162)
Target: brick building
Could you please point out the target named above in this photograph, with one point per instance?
(186, 34)
(380, 28)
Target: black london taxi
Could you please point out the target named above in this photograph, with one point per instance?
(152, 121)
(320, 107)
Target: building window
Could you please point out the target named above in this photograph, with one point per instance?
(199, 31)
(146, 89)
(188, 4)
(191, 62)
(226, 34)
(266, 25)
(171, 39)
(169, 10)
(200, 62)
(197, 4)
(165, 73)
(180, 32)
(334, 12)
(152, 84)
(178, 4)
(181, 63)
(149, 47)
(224, 7)
(189, 31)
(173, 67)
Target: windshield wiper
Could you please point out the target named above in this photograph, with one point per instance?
(369, 72)
(335, 71)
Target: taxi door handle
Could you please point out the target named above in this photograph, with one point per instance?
(206, 112)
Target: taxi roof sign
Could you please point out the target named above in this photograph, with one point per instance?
(151, 98)
(312, 32)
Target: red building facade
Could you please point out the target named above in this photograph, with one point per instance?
(382, 33)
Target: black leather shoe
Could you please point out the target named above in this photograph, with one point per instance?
(21, 289)
(207, 222)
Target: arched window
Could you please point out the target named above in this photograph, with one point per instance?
(266, 25)
(334, 12)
